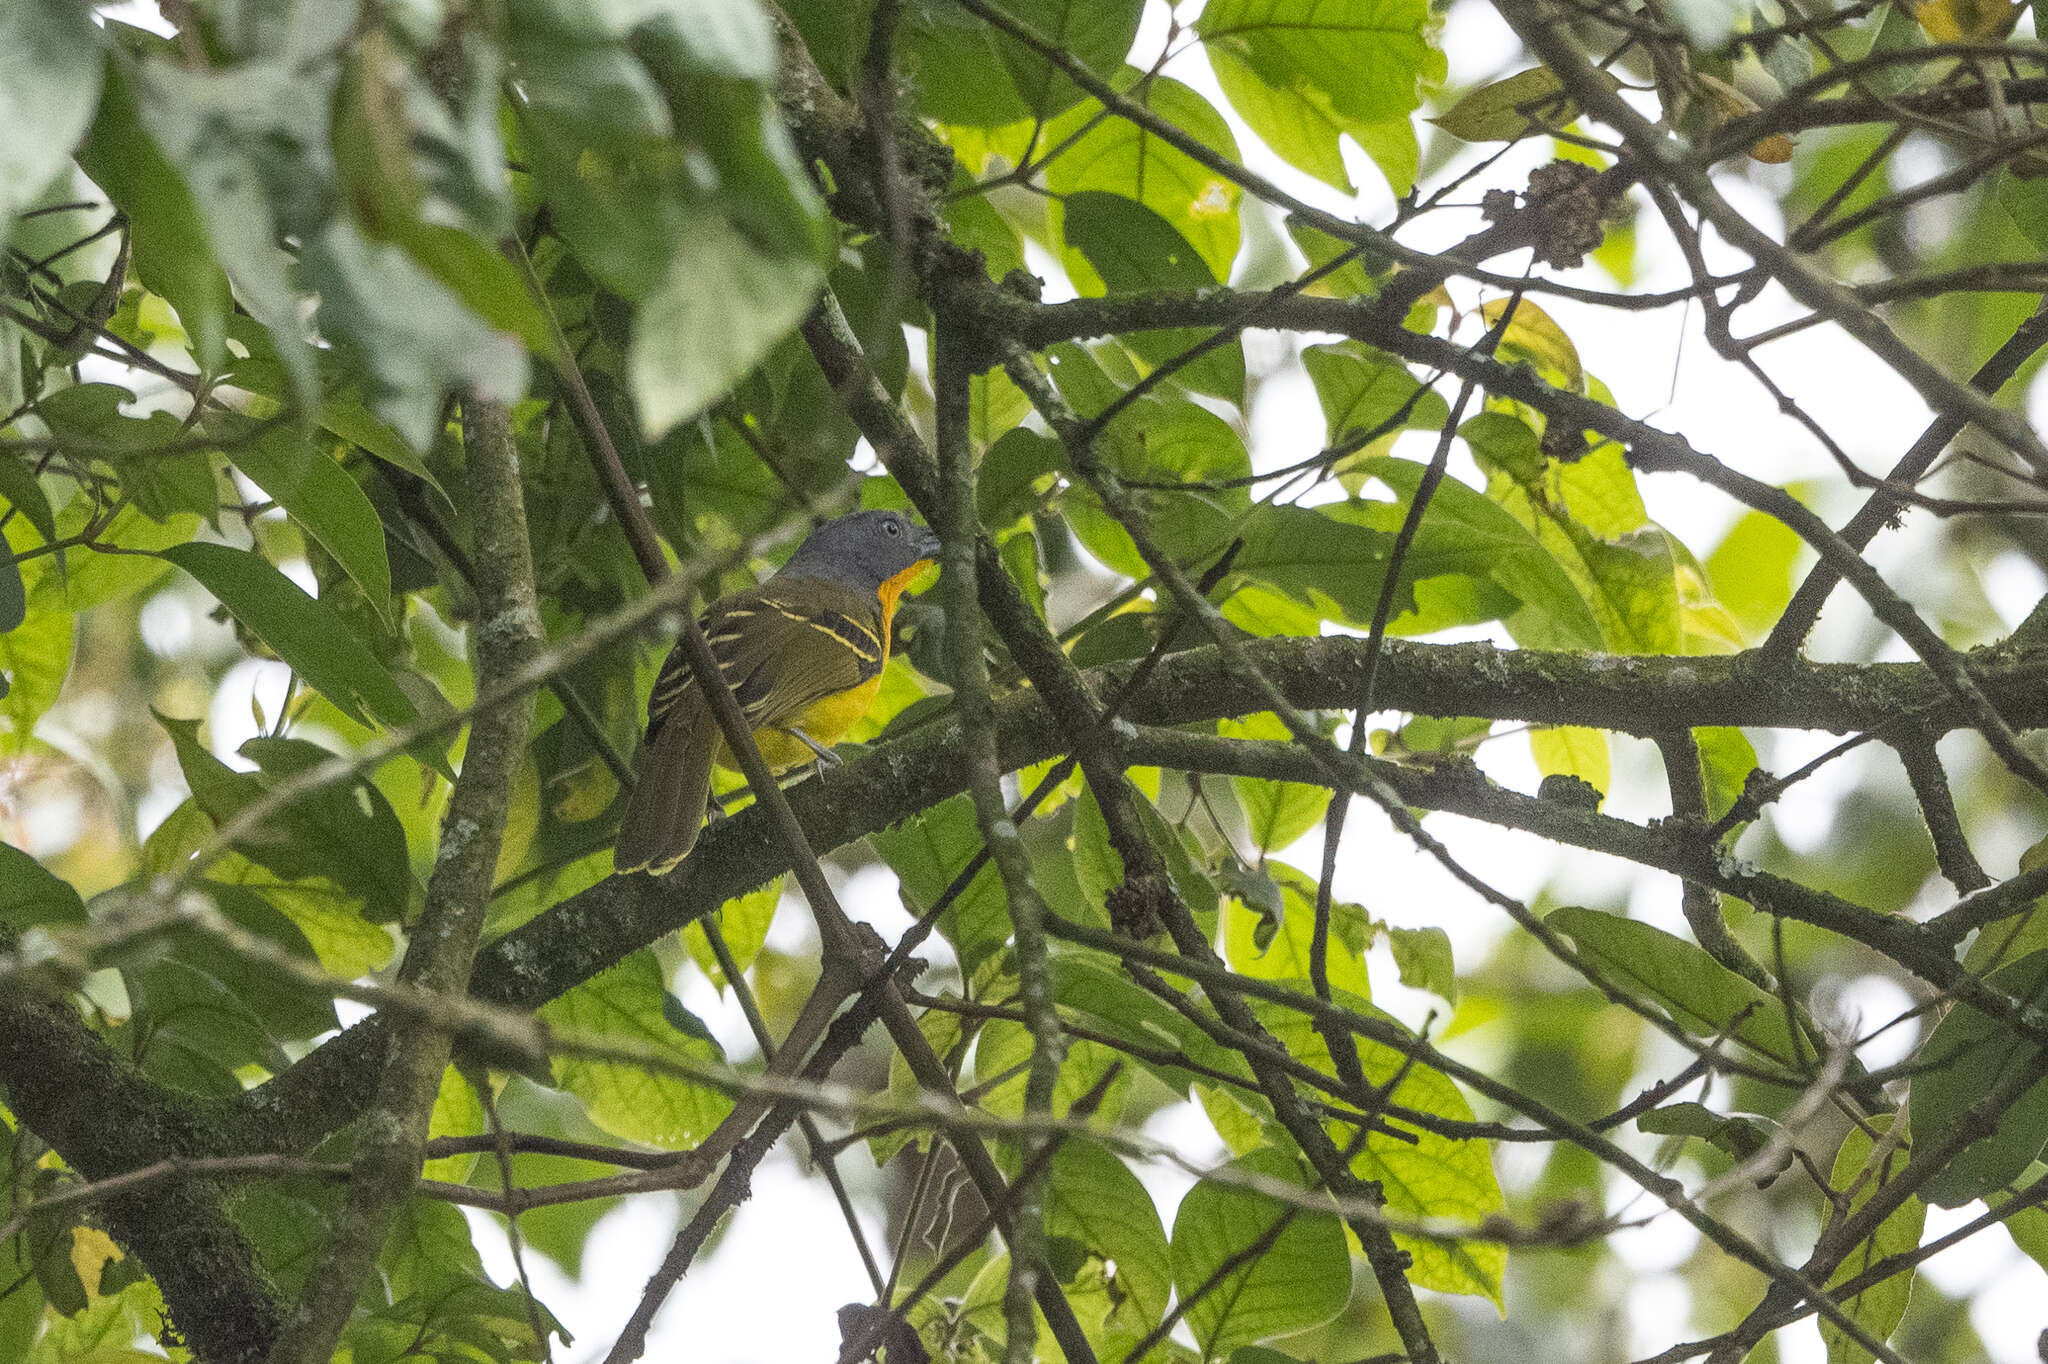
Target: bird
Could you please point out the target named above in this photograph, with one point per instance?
(803, 653)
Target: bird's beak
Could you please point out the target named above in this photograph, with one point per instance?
(926, 542)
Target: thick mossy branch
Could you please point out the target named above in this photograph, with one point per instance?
(1634, 695)
(105, 1118)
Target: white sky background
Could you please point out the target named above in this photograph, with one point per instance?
(767, 1292)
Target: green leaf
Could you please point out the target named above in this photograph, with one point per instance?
(32, 896)
(344, 415)
(1277, 811)
(1005, 1046)
(384, 121)
(1464, 532)
(1363, 390)
(195, 1032)
(1534, 336)
(743, 922)
(1170, 440)
(1096, 33)
(411, 334)
(1423, 958)
(946, 1031)
(1285, 956)
(1285, 81)
(628, 1003)
(1430, 1176)
(21, 1312)
(1701, 995)
(1128, 249)
(600, 144)
(1752, 570)
(970, 73)
(1333, 567)
(49, 83)
(219, 130)
(302, 631)
(1963, 1059)
(560, 1231)
(973, 222)
(1172, 842)
(926, 853)
(433, 1299)
(1350, 280)
(35, 657)
(2028, 1226)
(1589, 517)
(1119, 157)
(1726, 760)
(1511, 108)
(285, 1009)
(1361, 59)
(1878, 1308)
(346, 832)
(24, 492)
(172, 248)
(1739, 1135)
(1097, 866)
(354, 815)
(1117, 1005)
(77, 578)
(723, 303)
(1092, 1197)
(2026, 201)
(1303, 1280)
(458, 1112)
(160, 485)
(345, 943)
(330, 505)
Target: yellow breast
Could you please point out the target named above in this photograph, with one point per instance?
(825, 721)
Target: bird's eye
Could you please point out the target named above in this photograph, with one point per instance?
(893, 528)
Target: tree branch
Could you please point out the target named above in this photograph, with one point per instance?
(957, 526)
(1643, 696)
(443, 943)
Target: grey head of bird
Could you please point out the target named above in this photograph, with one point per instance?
(862, 550)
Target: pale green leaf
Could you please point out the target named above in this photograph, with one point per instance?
(49, 83)
(1878, 1308)
(1093, 1198)
(1966, 1056)
(304, 633)
(626, 1004)
(1702, 996)
(1301, 1280)
(722, 304)
(743, 922)
(1122, 158)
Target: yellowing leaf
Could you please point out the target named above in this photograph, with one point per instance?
(1534, 336)
(1961, 21)
(1526, 102)
(743, 923)
(458, 1112)
(1774, 150)
(92, 1250)
(1573, 751)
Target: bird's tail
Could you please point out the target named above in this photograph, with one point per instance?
(667, 806)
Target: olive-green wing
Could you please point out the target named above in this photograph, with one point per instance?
(780, 648)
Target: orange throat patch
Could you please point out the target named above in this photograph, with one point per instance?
(892, 588)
